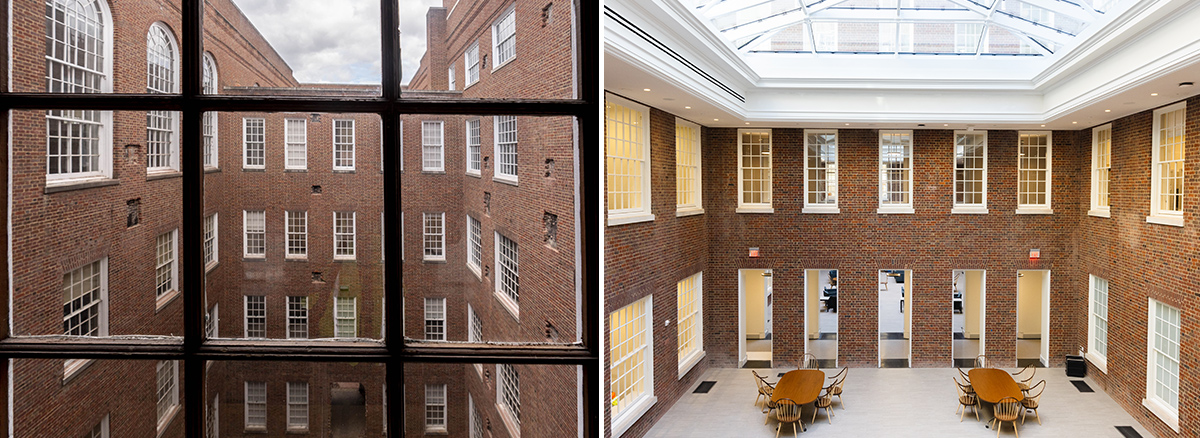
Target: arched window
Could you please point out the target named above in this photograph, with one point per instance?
(210, 117)
(162, 76)
(78, 60)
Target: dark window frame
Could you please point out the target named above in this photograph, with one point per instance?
(394, 351)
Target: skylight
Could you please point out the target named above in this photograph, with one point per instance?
(1032, 28)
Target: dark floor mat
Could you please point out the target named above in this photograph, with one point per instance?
(1082, 386)
(1128, 432)
(891, 335)
(964, 363)
(827, 337)
(826, 363)
(894, 363)
(1022, 363)
(757, 364)
(958, 336)
(704, 387)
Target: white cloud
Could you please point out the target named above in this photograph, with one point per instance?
(337, 42)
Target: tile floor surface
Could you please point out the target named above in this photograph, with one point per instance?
(906, 402)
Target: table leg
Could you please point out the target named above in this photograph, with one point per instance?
(986, 411)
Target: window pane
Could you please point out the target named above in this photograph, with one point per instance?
(514, 400)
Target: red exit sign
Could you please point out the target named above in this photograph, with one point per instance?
(753, 252)
(1035, 254)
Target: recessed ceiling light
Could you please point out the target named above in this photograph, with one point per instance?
(716, 120)
(1043, 126)
(645, 89)
(1185, 84)
(847, 124)
(1073, 123)
(1108, 111)
(687, 107)
(747, 123)
(945, 124)
(1153, 94)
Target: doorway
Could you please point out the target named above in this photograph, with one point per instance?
(754, 312)
(347, 411)
(820, 315)
(1033, 318)
(968, 315)
(895, 318)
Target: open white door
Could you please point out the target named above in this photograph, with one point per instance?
(741, 337)
(1045, 353)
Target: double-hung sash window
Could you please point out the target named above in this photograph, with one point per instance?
(895, 172)
(690, 321)
(435, 407)
(1097, 351)
(1162, 373)
(345, 317)
(820, 171)
(168, 392)
(254, 143)
(256, 316)
(1101, 166)
(297, 406)
(1033, 173)
(296, 144)
(256, 406)
(210, 241)
(297, 317)
(254, 236)
(754, 171)
(471, 60)
(631, 363)
(508, 397)
(162, 76)
(209, 86)
(474, 246)
(507, 275)
(297, 234)
(166, 271)
(1166, 173)
(434, 236)
(343, 235)
(506, 149)
(435, 319)
(78, 60)
(450, 77)
(474, 332)
(504, 36)
(687, 168)
(627, 161)
(85, 306)
(432, 150)
(473, 152)
(343, 144)
(970, 172)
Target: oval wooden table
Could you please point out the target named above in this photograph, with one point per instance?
(801, 386)
(992, 385)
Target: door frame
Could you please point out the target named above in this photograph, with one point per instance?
(742, 354)
(1044, 340)
(807, 279)
(982, 311)
(908, 294)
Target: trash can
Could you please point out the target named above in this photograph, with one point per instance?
(1076, 367)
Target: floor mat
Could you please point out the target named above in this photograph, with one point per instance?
(1082, 386)
(891, 335)
(757, 364)
(894, 363)
(1036, 363)
(704, 387)
(1128, 432)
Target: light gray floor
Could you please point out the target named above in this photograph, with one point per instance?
(895, 402)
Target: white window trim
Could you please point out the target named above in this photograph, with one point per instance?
(168, 296)
(353, 145)
(622, 422)
(353, 319)
(498, 291)
(474, 268)
(506, 415)
(643, 214)
(450, 76)
(166, 419)
(289, 317)
(697, 207)
(445, 414)
(1168, 415)
(743, 207)
(441, 147)
(498, 175)
(441, 236)
(216, 132)
(307, 401)
(246, 236)
(106, 117)
(173, 165)
(246, 317)
(1157, 216)
(473, 323)
(1096, 209)
(688, 362)
(287, 234)
(467, 142)
(216, 239)
(246, 144)
(1034, 208)
(246, 410)
(912, 176)
(1100, 361)
(71, 367)
(969, 208)
(818, 208)
(287, 144)
(496, 40)
(428, 317)
(353, 236)
(467, 79)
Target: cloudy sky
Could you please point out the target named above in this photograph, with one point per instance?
(337, 42)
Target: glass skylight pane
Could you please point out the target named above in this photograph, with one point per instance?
(791, 38)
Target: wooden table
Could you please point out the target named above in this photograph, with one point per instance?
(802, 386)
(992, 385)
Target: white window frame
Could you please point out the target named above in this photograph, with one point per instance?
(297, 316)
(211, 126)
(1157, 214)
(435, 397)
(212, 322)
(1153, 402)
(959, 153)
(104, 123)
(339, 216)
(499, 150)
(259, 144)
(688, 155)
(768, 192)
(692, 321)
(246, 234)
(100, 430)
(476, 424)
(429, 164)
(172, 143)
(73, 366)
(509, 415)
(439, 237)
(475, 246)
(435, 317)
(831, 175)
(1097, 313)
(171, 267)
(474, 333)
(626, 413)
(255, 400)
(166, 413)
(296, 236)
(510, 300)
(471, 63)
(351, 152)
(212, 426)
(642, 213)
(211, 241)
(339, 302)
(1101, 176)
(498, 39)
(450, 76)
(246, 316)
(1046, 208)
(295, 145)
(474, 147)
(297, 406)
(888, 207)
